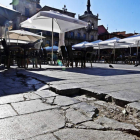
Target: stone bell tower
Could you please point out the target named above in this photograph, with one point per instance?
(92, 19)
(88, 8)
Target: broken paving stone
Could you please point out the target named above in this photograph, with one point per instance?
(6, 111)
(82, 134)
(31, 106)
(65, 89)
(90, 125)
(115, 125)
(45, 93)
(85, 98)
(31, 125)
(101, 103)
(135, 106)
(18, 98)
(125, 96)
(40, 86)
(16, 90)
(75, 116)
(43, 87)
(85, 108)
(65, 101)
(138, 125)
(44, 137)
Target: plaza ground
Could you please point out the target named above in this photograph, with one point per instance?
(59, 103)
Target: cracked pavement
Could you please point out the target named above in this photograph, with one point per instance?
(51, 103)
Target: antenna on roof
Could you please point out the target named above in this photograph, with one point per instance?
(107, 27)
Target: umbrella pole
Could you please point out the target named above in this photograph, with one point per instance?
(137, 51)
(52, 41)
(5, 33)
(137, 48)
(8, 36)
(114, 52)
(99, 53)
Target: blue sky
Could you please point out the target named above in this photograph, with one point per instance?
(119, 15)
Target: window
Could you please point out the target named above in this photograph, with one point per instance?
(79, 35)
(84, 36)
(72, 34)
(27, 12)
(92, 37)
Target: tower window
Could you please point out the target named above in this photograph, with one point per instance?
(79, 35)
(84, 36)
(92, 37)
(27, 12)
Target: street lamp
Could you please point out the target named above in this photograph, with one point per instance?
(89, 28)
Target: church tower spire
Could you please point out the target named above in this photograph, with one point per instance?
(88, 8)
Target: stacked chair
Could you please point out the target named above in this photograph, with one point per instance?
(6, 55)
(89, 56)
(69, 57)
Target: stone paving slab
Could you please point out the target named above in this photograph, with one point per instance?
(6, 111)
(10, 91)
(80, 134)
(65, 101)
(120, 94)
(45, 93)
(18, 98)
(44, 137)
(75, 116)
(115, 125)
(135, 106)
(31, 106)
(85, 108)
(90, 125)
(31, 125)
(125, 96)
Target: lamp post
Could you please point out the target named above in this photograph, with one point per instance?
(89, 28)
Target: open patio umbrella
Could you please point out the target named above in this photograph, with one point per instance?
(94, 44)
(80, 46)
(19, 41)
(24, 36)
(132, 41)
(109, 43)
(53, 21)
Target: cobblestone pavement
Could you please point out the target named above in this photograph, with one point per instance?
(57, 103)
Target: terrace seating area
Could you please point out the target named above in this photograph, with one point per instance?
(33, 53)
(23, 55)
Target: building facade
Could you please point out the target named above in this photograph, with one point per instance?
(30, 7)
(103, 34)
